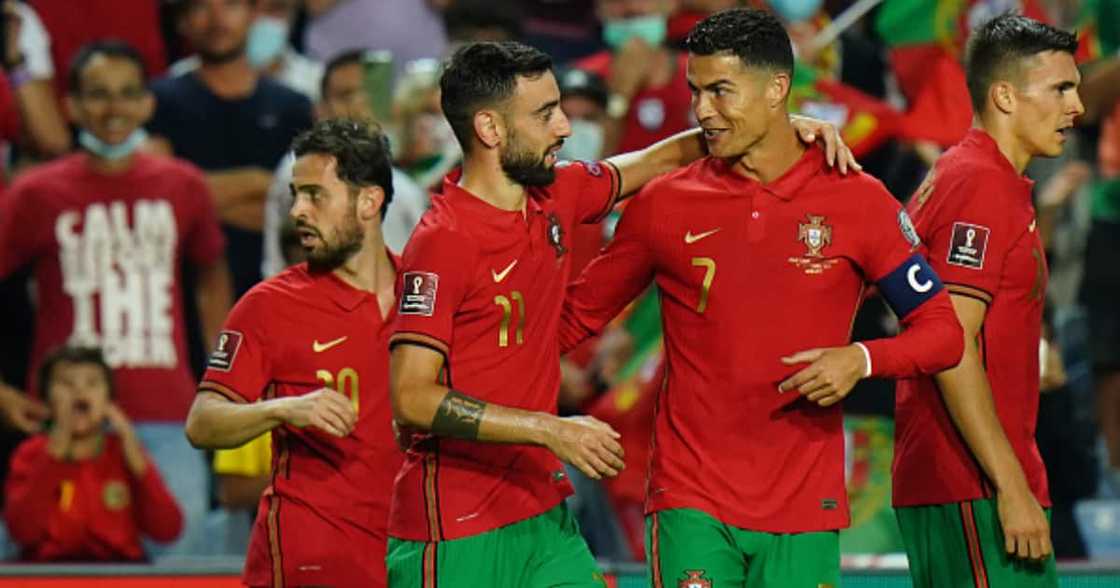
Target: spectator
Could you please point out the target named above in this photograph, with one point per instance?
(649, 98)
(269, 51)
(71, 25)
(565, 29)
(426, 147)
(78, 493)
(482, 20)
(231, 122)
(106, 231)
(30, 71)
(409, 29)
(344, 96)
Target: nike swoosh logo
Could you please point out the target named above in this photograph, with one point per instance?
(689, 238)
(498, 277)
(1031, 227)
(321, 347)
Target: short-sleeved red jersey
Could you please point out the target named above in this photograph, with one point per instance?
(975, 218)
(485, 287)
(749, 273)
(106, 252)
(323, 519)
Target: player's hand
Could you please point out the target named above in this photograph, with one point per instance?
(831, 374)
(324, 409)
(630, 66)
(119, 422)
(1026, 532)
(587, 443)
(22, 412)
(836, 152)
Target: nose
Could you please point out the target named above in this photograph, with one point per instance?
(563, 128)
(701, 106)
(299, 208)
(1077, 108)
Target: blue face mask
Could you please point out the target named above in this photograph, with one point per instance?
(267, 39)
(651, 29)
(795, 10)
(112, 152)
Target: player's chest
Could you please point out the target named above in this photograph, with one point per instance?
(761, 243)
(334, 351)
(1025, 274)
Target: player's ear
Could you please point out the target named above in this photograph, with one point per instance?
(369, 202)
(489, 127)
(777, 90)
(1002, 96)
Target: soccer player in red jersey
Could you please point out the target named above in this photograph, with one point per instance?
(969, 483)
(305, 355)
(759, 252)
(475, 357)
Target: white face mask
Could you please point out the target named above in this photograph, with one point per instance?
(585, 142)
(267, 39)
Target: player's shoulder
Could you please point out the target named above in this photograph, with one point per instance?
(444, 222)
(283, 288)
(674, 184)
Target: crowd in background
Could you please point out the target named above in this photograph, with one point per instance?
(179, 115)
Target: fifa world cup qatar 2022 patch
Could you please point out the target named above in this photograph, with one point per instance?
(968, 245)
(222, 357)
(419, 295)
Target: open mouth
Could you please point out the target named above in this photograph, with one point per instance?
(713, 133)
(307, 236)
(81, 407)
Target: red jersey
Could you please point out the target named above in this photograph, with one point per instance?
(976, 220)
(485, 286)
(655, 113)
(88, 510)
(749, 273)
(322, 521)
(106, 253)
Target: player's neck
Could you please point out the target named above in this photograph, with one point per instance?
(773, 155)
(230, 79)
(486, 181)
(369, 268)
(1000, 130)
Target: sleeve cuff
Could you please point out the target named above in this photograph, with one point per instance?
(866, 356)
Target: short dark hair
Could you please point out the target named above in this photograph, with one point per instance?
(107, 47)
(349, 57)
(756, 37)
(72, 354)
(359, 147)
(482, 74)
(1002, 43)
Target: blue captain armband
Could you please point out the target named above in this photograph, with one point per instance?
(909, 285)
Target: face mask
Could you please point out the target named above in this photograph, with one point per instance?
(651, 29)
(795, 10)
(267, 38)
(112, 152)
(585, 143)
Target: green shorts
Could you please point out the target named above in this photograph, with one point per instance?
(540, 552)
(688, 548)
(960, 545)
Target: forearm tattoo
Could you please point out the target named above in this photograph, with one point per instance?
(458, 416)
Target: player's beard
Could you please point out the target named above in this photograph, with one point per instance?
(330, 256)
(525, 167)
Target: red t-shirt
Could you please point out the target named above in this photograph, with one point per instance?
(89, 510)
(749, 273)
(485, 286)
(975, 217)
(322, 521)
(655, 113)
(73, 24)
(106, 252)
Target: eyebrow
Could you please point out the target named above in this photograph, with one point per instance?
(711, 85)
(547, 106)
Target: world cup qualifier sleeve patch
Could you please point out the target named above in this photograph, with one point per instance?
(419, 293)
(223, 355)
(968, 244)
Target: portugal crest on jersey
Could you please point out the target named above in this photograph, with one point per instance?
(556, 235)
(695, 579)
(814, 234)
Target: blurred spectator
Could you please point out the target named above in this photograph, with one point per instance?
(425, 147)
(565, 29)
(231, 122)
(691, 12)
(409, 29)
(241, 475)
(70, 25)
(79, 493)
(106, 231)
(30, 72)
(344, 96)
(482, 20)
(269, 51)
(649, 97)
